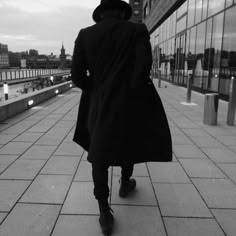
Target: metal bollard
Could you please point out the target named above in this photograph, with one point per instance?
(189, 88)
(5, 90)
(159, 78)
(232, 102)
(211, 109)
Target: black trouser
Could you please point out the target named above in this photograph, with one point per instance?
(100, 178)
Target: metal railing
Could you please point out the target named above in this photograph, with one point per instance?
(7, 75)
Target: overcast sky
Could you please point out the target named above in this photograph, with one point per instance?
(44, 24)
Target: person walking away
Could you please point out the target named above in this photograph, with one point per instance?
(121, 120)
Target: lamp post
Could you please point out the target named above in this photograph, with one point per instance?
(5, 90)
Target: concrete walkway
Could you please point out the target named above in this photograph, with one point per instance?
(46, 186)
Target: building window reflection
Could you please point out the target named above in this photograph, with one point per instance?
(215, 6)
(200, 75)
(199, 38)
(228, 60)
(216, 50)
(191, 12)
(204, 9)
(198, 11)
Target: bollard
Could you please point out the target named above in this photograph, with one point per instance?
(211, 109)
(5, 90)
(232, 102)
(189, 88)
(159, 78)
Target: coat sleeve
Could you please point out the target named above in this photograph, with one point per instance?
(142, 57)
(79, 64)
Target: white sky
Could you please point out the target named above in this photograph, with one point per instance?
(44, 24)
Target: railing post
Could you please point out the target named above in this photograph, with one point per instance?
(232, 102)
(5, 90)
(211, 109)
(189, 88)
(159, 78)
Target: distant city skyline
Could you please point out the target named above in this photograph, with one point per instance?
(43, 25)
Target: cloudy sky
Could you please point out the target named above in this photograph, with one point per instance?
(44, 24)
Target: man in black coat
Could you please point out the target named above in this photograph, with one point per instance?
(121, 119)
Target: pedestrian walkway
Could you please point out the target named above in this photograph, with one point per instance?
(46, 186)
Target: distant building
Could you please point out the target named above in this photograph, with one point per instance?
(137, 6)
(15, 59)
(4, 58)
(33, 53)
(63, 57)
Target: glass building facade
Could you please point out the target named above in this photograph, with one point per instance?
(198, 39)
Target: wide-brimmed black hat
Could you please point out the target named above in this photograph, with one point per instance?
(112, 4)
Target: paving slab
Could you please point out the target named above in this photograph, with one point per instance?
(37, 152)
(226, 218)
(188, 151)
(23, 169)
(207, 142)
(70, 149)
(6, 160)
(181, 139)
(49, 189)
(143, 194)
(229, 170)
(220, 155)
(192, 227)
(167, 173)
(180, 200)
(74, 225)
(15, 148)
(84, 172)
(11, 191)
(80, 200)
(5, 138)
(137, 221)
(28, 137)
(201, 168)
(233, 148)
(19, 128)
(85, 156)
(217, 193)
(195, 132)
(30, 220)
(2, 217)
(227, 140)
(61, 165)
(175, 131)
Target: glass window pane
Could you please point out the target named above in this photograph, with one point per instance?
(174, 23)
(215, 6)
(182, 9)
(199, 73)
(198, 11)
(187, 42)
(204, 9)
(191, 57)
(216, 51)
(191, 12)
(201, 33)
(229, 3)
(181, 24)
(228, 59)
(192, 41)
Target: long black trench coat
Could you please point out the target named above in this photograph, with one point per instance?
(121, 117)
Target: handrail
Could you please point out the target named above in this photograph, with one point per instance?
(7, 75)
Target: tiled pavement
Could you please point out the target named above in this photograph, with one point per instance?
(46, 186)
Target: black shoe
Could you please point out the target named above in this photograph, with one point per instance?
(106, 219)
(126, 187)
